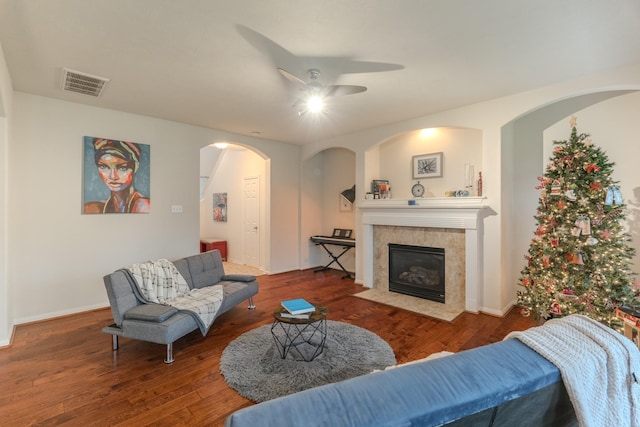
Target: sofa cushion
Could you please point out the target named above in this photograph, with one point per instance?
(204, 269)
(183, 267)
(151, 312)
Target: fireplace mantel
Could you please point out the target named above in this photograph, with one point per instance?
(425, 203)
(451, 212)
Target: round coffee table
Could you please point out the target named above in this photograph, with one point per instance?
(300, 339)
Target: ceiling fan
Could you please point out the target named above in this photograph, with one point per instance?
(314, 93)
(282, 59)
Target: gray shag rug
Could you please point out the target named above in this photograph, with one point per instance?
(251, 364)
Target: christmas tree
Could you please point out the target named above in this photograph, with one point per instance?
(579, 260)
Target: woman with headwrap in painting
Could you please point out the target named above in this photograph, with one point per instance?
(117, 163)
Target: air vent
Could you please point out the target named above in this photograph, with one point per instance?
(86, 84)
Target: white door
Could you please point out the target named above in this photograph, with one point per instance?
(252, 222)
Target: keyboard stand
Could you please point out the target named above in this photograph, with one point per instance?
(334, 258)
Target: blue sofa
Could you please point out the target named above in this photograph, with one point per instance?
(164, 324)
(502, 384)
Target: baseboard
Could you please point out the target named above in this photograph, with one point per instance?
(240, 262)
(54, 314)
(499, 313)
(4, 343)
(491, 311)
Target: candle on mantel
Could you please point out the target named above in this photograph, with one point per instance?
(469, 175)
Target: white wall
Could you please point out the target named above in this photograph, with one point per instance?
(6, 107)
(459, 146)
(6, 317)
(57, 256)
(312, 209)
(283, 207)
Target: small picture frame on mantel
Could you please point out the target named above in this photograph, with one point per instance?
(375, 186)
(427, 166)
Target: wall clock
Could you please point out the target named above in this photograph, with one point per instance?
(417, 190)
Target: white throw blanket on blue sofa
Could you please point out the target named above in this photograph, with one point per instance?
(600, 368)
(160, 282)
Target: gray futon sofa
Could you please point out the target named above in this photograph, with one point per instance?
(163, 324)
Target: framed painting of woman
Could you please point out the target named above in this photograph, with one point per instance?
(116, 176)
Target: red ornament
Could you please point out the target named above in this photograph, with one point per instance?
(592, 168)
(595, 186)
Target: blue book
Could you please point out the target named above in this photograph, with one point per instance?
(298, 306)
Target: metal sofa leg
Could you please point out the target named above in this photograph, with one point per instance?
(169, 358)
(114, 342)
(251, 304)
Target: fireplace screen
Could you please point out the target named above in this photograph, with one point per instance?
(417, 271)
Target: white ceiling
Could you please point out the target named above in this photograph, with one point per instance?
(214, 63)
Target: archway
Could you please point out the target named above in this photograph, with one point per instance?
(521, 163)
(226, 172)
(392, 160)
(324, 176)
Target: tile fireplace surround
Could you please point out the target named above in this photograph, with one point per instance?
(455, 223)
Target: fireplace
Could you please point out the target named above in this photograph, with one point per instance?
(454, 223)
(417, 271)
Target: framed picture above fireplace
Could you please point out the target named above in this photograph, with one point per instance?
(427, 165)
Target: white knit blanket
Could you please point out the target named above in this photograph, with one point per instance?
(160, 282)
(600, 368)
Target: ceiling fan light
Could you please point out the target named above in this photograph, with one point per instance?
(315, 104)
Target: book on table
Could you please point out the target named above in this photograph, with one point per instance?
(298, 306)
(287, 315)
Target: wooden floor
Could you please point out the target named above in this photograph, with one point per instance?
(63, 372)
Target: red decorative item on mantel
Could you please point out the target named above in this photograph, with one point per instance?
(479, 183)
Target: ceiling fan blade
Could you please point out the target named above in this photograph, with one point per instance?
(340, 90)
(341, 66)
(280, 57)
(291, 77)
